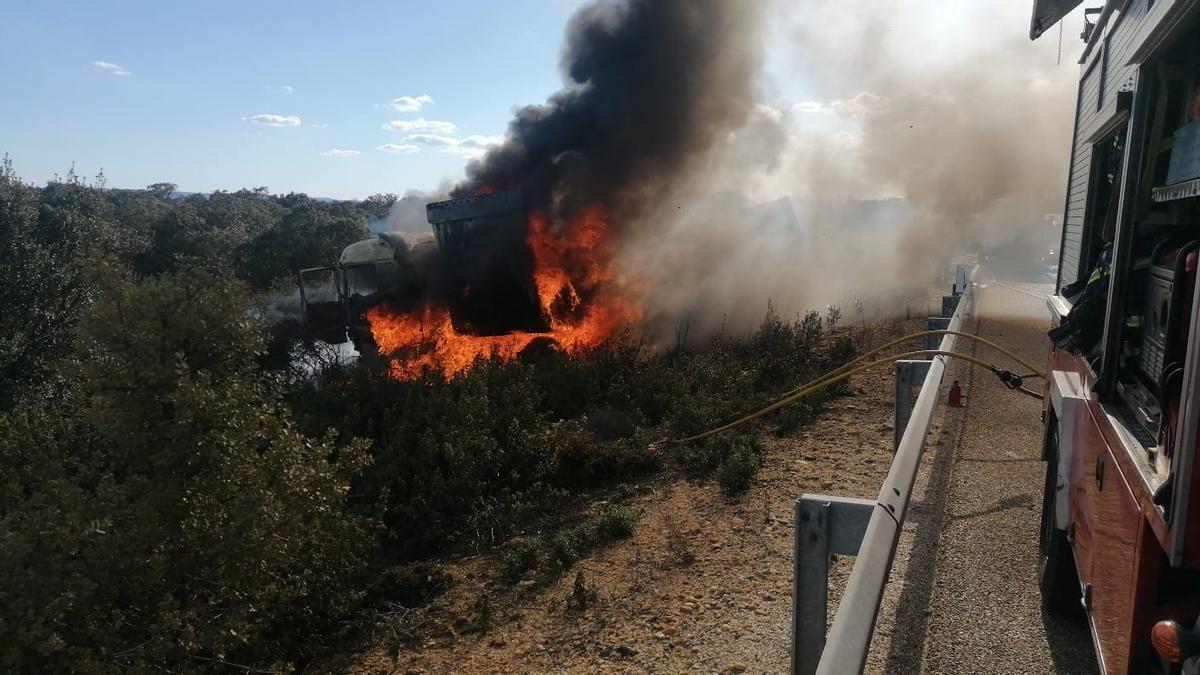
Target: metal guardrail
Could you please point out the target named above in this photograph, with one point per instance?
(869, 530)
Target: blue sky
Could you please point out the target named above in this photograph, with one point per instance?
(225, 95)
(198, 73)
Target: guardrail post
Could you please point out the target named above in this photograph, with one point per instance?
(824, 525)
(935, 323)
(909, 372)
(810, 583)
(949, 304)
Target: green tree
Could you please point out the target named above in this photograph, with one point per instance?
(378, 205)
(161, 190)
(309, 235)
(173, 517)
(49, 240)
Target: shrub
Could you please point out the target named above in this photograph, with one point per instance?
(737, 470)
(615, 523)
(172, 517)
(565, 547)
(569, 545)
(584, 462)
(485, 612)
(412, 585)
(795, 415)
(677, 544)
(582, 594)
(523, 556)
(608, 425)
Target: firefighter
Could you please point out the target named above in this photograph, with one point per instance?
(1081, 330)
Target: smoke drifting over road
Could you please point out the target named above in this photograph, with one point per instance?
(927, 128)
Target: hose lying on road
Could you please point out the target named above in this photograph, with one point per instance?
(855, 366)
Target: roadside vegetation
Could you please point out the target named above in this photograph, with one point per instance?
(175, 495)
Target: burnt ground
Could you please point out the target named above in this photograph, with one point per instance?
(703, 585)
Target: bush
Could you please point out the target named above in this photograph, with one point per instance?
(522, 557)
(412, 585)
(737, 471)
(569, 545)
(558, 552)
(582, 594)
(171, 500)
(466, 462)
(797, 414)
(585, 462)
(615, 523)
(170, 516)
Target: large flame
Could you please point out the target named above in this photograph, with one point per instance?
(577, 287)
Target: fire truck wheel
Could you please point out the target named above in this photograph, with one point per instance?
(1056, 570)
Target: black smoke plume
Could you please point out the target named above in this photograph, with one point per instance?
(650, 87)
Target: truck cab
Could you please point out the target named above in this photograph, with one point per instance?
(335, 299)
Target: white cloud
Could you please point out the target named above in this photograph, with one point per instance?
(336, 152)
(287, 88)
(398, 149)
(812, 107)
(431, 139)
(859, 106)
(421, 126)
(478, 141)
(769, 112)
(322, 125)
(471, 147)
(111, 67)
(270, 120)
(411, 103)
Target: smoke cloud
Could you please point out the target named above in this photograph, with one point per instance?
(839, 156)
(407, 215)
(651, 86)
(925, 131)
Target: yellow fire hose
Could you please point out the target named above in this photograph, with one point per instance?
(855, 366)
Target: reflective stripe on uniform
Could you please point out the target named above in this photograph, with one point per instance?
(1098, 274)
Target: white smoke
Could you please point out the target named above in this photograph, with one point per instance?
(944, 108)
(407, 215)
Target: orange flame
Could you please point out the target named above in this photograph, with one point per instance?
(577, 288)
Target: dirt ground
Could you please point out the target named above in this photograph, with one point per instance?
(703, 585)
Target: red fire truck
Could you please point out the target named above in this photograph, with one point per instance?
(1121, 518)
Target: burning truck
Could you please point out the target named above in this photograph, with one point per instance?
(484, 292)
(526, 250)
(495, 278)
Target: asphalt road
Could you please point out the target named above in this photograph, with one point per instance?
(984, 613)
